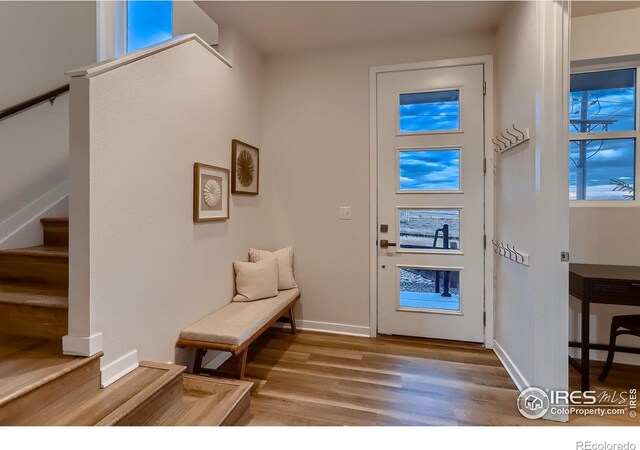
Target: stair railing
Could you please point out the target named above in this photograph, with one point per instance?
(47, 96)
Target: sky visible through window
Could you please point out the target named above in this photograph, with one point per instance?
(603, 102)
(611, 159)
(148, 22)
(432, 170)
(429, 111)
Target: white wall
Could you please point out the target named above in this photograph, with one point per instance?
(188, 17)
(531, 307)
(150, 121)
(605, 235)
(316, 126)
(515, 196)
(39, 41)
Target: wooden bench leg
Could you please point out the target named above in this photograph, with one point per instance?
(242, 363)
(197, 361)
(293, 321)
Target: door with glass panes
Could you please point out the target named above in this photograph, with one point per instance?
(431, 202)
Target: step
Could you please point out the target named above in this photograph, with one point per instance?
(36, 265)
(209, 401)
(55, 231)
(33, 310)
(147, 391)
(35, 376)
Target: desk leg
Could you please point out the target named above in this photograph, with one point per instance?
(584, 354)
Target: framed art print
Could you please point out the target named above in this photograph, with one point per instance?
(245, 168)
(210, 193)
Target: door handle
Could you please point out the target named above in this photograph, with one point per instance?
(384, 243)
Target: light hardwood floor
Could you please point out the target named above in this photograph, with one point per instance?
(325, 379)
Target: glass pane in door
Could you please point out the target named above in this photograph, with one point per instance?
(429, 170)
(432, 289)
(431, 230)
(425, 112)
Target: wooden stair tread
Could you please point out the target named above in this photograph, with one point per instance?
(62, 220)
(27, 364)
(112, 404)
(208, 401)
(35, 295)
(39, 250)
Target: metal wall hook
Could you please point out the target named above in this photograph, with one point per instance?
(510, 139)
(510, 133)
(499, 147)
(510, 143)
(509, 251)
(518, 131)
(504, 144)
(518, 254)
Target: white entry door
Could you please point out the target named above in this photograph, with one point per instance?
(431, 203)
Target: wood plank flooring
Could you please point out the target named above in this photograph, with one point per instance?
(25, 362)
(325, 379)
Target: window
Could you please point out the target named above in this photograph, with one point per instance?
(148, 22)
(429, 289)
(435, 111)
(429, 229)
(603, 135)
(429, 170)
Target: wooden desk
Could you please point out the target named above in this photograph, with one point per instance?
(595, 283)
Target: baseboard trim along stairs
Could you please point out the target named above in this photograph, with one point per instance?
(39, 385)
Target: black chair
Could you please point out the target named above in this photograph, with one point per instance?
(619, 325)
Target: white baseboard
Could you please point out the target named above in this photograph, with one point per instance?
(217, 360)
(82, 345)
(517, 377)
(601, 355)
(117, 369)
(328, 327)
(23, 229)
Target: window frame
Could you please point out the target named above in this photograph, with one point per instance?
(632, 134)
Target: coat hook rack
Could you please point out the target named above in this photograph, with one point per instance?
(509, 252)
(514, 136)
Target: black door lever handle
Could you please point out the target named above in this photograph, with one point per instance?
(385, 243)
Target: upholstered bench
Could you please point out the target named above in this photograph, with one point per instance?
(235, 326)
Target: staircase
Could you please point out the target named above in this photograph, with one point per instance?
(41, 386)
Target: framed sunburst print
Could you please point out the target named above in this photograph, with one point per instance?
(210, 193)
(245, 168)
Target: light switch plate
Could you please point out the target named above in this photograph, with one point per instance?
(344, 212)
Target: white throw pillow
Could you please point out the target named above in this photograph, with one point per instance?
(255, 281)
(285, 264)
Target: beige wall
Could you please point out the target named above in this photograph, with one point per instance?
(316, 133)
(614, 34)
(39, 41)
(605, 235)
(150, 121)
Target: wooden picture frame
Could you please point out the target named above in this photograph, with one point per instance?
(210, 193)
(245, 168)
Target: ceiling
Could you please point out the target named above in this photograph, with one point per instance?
(587, 8)
(278, 27)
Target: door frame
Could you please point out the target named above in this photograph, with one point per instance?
(487, 62)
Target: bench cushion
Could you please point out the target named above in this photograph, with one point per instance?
(236, 322)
